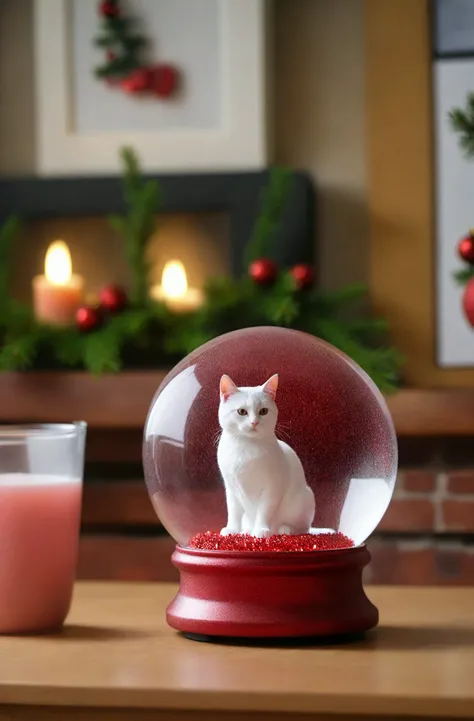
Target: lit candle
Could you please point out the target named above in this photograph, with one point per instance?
(174, 289)
(58, 293)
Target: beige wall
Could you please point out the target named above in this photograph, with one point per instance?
(17, 151)
(319, 115)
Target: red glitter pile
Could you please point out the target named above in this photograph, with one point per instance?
(213, 541)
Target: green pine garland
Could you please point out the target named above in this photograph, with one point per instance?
(148, 334)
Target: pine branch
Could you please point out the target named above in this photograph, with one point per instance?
(462, 122)
(117, 34)
(19, 353)
(105, 40)
(131, 177)
(344, 296)
(381, 364)
(272, 205)
(69, 347)
(281, 305)
(143, 199)
(464, 275)
(102, 352)
(118, 67)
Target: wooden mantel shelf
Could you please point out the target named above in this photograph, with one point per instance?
(121, 402)
(437, 412)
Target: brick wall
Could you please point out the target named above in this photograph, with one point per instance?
(427, 534)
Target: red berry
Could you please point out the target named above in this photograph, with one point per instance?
(113, 298)
(136, 82)
(109, 9)
(466, 249)
(87, 318)
(263, 271)
(164, 80)
(303, 276)
(468, 301)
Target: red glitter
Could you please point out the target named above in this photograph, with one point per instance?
(213, 541)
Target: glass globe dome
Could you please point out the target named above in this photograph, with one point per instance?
(329, 412)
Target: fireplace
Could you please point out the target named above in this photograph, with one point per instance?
(198, 240)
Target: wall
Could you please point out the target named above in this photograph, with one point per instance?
(425, 538)
(319, 115)
(17, 111)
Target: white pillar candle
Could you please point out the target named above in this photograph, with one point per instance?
(174, 290)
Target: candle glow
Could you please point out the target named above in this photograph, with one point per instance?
(57, 263)
(174, 280)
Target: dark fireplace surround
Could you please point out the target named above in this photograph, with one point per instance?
(237, 194)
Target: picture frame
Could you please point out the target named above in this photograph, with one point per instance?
(235, 140)
(402, 186)
(452, 28)
(454, 215)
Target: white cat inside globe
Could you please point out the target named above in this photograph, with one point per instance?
(265, 484)
(269, 439)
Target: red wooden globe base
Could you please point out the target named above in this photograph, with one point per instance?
(271, 594)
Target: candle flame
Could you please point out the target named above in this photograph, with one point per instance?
(57, 264)
(174, 281)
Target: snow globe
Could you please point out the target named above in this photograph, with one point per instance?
(270, 457)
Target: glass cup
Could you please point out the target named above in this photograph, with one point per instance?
(41, 472)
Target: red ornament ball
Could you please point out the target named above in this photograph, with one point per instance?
(466, 248)
(263, 271)
(212, 541)
(303, 276)
(468, 301)
(87, 318)
(164, 80)
(109, 9)
(136, 82)
(113, 298)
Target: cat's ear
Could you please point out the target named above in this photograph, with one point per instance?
(227, 387)
(270, 387)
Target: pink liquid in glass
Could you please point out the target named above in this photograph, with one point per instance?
(39, 534)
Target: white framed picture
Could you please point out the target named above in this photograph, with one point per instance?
(454, 192)
(216, 121)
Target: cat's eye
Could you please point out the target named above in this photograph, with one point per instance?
(263, 411)
(242, 412)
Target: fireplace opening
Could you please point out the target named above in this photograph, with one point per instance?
(199, 241)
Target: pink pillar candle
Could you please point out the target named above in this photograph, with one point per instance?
(58, 293)
(57, 304)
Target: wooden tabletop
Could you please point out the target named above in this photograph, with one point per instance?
(116, 651)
